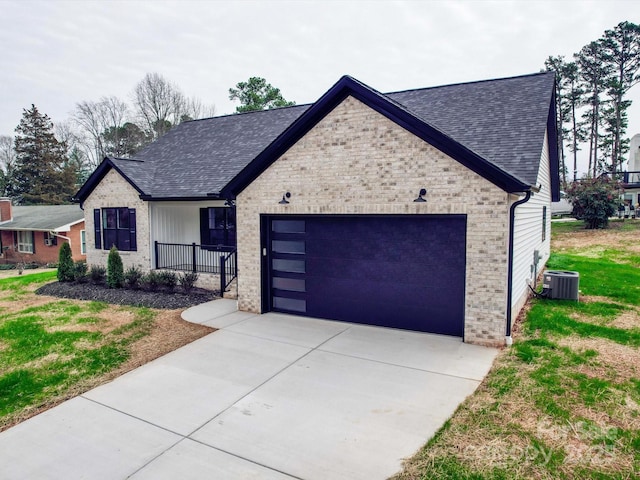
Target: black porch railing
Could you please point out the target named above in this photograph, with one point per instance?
(228, 270)
(196, 258)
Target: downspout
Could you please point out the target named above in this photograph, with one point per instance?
(62, 236)
(512, 217)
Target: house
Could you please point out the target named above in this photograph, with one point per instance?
(630, 179)
(33, 234)
(425, 209)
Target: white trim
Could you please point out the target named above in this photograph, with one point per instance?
(83, 244)
(23, 243)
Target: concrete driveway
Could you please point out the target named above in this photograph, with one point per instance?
(269, 397)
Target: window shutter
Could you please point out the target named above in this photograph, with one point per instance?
(132, 229)
(33, 241)
(15, 240)
(204, 226)
(97, 221)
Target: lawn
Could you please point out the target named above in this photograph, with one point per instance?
(563, 402)
(53, 349)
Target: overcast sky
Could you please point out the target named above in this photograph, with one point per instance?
(57, 53)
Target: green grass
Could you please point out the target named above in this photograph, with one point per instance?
(51, 349)
(563, 401)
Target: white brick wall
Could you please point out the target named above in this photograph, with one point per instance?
(356, 161)
(114, 191)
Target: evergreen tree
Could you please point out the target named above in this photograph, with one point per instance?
(257, 94)
(594, 72)
(41, 174)
(65, 264)
(621, 50)
(115, 269)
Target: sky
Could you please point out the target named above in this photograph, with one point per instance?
(56, 53)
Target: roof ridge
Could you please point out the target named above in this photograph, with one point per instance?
(235, 114)
(471, 83)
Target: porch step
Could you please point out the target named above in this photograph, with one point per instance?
(232, 290)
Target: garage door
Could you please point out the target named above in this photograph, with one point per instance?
(404, 271)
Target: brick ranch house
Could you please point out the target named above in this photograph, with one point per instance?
(425, 209)
(34, 234)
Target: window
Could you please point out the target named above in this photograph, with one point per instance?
(24, 240)
(115, 226)
(50, 239)
(544, 223)
(218, 226)
(83, 242)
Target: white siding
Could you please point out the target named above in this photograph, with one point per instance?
(528, 235)
(178, 222)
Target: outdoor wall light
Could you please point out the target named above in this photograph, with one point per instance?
(284, 200)
(423, 191)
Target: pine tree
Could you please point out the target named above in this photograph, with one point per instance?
(41, 174)
(621, 47)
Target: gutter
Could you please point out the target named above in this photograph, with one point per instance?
(512, 216)
(61, 236)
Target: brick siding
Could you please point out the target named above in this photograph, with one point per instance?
(112, 192)
(356, 161)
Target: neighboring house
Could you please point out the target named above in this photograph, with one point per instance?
(425, 209)
(33, 234)
(631, 178)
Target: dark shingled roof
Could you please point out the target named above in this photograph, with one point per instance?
(43, 217)
(502, 121)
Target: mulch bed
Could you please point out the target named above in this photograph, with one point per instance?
(122, 296)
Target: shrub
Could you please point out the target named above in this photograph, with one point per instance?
(97, 274)
(188, 280)
(80, 271)
(169, 280)
(65, 264)
(31, 266)
(132, 277)
(151, 281)
(115, 270)
(594, 200)
(8, 266)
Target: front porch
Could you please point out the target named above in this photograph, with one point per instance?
(216, 260)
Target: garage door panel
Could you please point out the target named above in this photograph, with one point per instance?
(398, 271)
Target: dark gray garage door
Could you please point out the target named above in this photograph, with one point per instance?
(404, 271)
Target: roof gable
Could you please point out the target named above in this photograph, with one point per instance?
(391, 107)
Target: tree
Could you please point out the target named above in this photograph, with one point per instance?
(594, 200)
(124, 141)
(594, 72)
(621, 49)
(115, 269)
(65, 264)
(568, 100)
(41, 174)
(160, 105)
(7, 163)
(257, 94)
(94, 118)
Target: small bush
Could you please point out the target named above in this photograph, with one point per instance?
(97, 274)
(188, 280)
(51, 265)
(80, 271)
(8, 266)
(151, 281)
(65, 264)
(169, 280)
(132, 277)
(31, 266)
(115, 269)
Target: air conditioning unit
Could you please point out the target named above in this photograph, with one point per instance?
(561, 285)
(48, 242)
